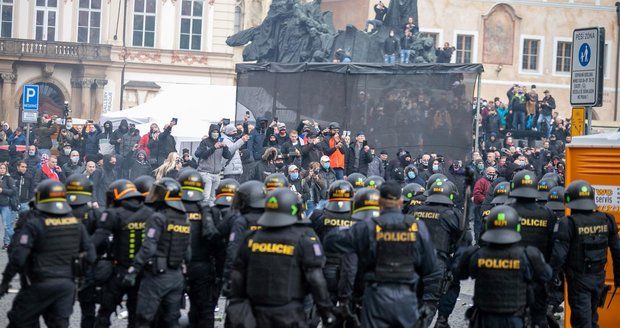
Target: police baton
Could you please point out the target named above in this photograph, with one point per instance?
(612, 297)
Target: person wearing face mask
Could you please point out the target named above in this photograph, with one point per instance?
(481, 189)
(328, 175)
(64, 154)
(295, 182)
(411, 175)
(423, 167)
(187, 159)
(519, 111)
(74, 165)
(212, 154)
(233, 168)
(257, 138)
(102, 178)
(391, 47)
(436, 167)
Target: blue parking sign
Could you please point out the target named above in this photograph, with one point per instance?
(30, 98)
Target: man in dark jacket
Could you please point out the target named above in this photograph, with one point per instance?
(257, 138)
(137, 164)
(491, 123)
(547, 105)
(117, 136)
(24, 185)
(32, 159)
(444, 55)
(311, 151)
(162, 145)
(359, 156)
(517, 105)
(103, 177)
(406, 44)
(391, 47)
(91, 133)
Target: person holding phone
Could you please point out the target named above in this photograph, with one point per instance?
(212, 154)
(162, 144)
(359, 155)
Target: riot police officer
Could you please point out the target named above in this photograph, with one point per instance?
(446, 226)
(80, 196)
(144, 183)
(498, 196)
(365, 204)
(581, 248)
(555, 201)
(503, 270)
(52, 243)
(413, 195)
(277, 267)
(164, 250)
(124, 221)
(356, 180)
(537, 230)
(374, 182)
(276, 180)
(397, 251)
(544, 186)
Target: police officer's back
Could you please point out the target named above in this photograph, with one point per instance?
(398, 251)
(584, 237)
(503, 269)
(51, 244)
(555, 201)
(277, 266)
(413, 196)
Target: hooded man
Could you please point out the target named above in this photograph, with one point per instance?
(137, 164)
(257, 138)
(211, 154)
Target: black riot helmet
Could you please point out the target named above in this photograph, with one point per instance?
(339, 197)
(144, 183)
(500, 193)
(374, 182)
(251, 194)
(441, 192)
(579, 195)
(554, 176)
(555, 199)
(433, 178)
(544, 186)
(225, 192)
(282, 208)
(276, 180)
(356, 180)
(79, 189)
(192, 185)
(524, 185)
(167, 190)
(411, 190)
(502, 226)
(50, 196)
(365, 204)
(122, 189)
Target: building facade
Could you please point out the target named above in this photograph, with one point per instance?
(519, 41)
(74, 50)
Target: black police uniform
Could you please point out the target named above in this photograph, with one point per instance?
(51, 244)
(396, 250)
(413, 195)
(581, 249)
(555, 202)
(11, 269)
(125, 223)
(277, 266)
(503, 270)
(497, 196)
(538, 225)
(165, 248)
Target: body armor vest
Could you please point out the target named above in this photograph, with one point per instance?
(57, 247)
(87, 216)
(432, 216)
(329, 221)
(274, 275)
(174, 238)
(129, 234)
(588, 247)
(536, 224)
(251, 220)
(500, 286)
(199, 246)
(395, 253)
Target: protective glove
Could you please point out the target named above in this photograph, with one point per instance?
(129, 280)
(4, 288)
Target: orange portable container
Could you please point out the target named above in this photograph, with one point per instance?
(596, 159)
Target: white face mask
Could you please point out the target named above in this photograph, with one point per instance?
(75, 159)
(67, 152)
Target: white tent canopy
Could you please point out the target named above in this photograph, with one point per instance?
(195, 107)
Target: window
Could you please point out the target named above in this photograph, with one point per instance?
(464, 48)
(6, 25)
(238, 23)
(144, 23)
(432, 35)
(531, 49)
(89, 21)
(563, 56)
(606, 61)
(191, 24)
(45, 24)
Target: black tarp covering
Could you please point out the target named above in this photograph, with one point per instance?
(419, 107)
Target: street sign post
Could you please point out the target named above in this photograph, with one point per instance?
(586, 77)
(30, 107)
(577, 121)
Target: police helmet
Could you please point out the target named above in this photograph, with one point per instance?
(502, 226)
(579, 195)
(79, 189)
(251, 194)
(339, 197)
(166, 190)
(282, 208)
(524, 185)
(144, 183)
(554, 176)
(441, 192)
(365, 204)
(433, 178)
(356, 180)
(500, 193)
(50, 196)
(544, 186)
(411, 190)
(555, 199)
(276, 180)
(122, 189)
(225, 192)
(374, 182)
(192, 185)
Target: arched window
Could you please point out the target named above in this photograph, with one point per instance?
(239, 9)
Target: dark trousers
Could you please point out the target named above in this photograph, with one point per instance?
(389, 305)
(477, 215)
(584, 292)
(538, 310)
(112, 295)
(51, 298)
(291, 315)
(448, 300)
(203, 293)
(88, 302)
(518, 120)
(162, 291)
(489, 320)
